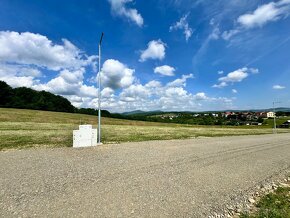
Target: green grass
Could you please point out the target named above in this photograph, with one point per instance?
(279, 121)
(273, 205)
(31, 128)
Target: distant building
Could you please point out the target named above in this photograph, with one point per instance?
(270, 114)
(226, 114)
(261, 114)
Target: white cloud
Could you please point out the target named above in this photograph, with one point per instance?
(264, 14)
(118, 7)
(136, 92)
(215, 34)
(278, 87)
(234, 91)
(18, 81)
(18, 70)
(107, 93)
(229, 34)
(34, 49)
(235, 76)
(19, 67)
(68, 83)
(269, 12)
(182, 24)
(116, 75)
(156, 96)
(181, 81)
(254, 70)
(153, 84)
(24, 56)
(72, 77)
(155, 50)
(165, 70)
(164, 98)
(200, 96)
(220, 72)
(220, 85)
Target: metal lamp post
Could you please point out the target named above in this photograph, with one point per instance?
(99, 93)
(274, 109)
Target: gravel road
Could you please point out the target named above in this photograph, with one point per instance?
(177, 178)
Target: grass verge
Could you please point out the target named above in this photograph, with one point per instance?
(273, 205)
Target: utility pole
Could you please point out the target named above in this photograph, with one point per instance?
(99, 93)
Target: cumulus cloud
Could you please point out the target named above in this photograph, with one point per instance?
(165, 70)
(107, 93)
(135, 92)
(118, 8)
(19, 81)
(157, 96)
(116, 75)
(155, 50)
(146, 97)
(200, 96)
(278, 87)
(18, 70)
(35, 49)
(181, 81)
(68, 65)
(68, 83)
(183, 25)
(234, 91)
(27, 57)
(235, 76)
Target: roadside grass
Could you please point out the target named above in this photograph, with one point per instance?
(273, 205)
(31, 128)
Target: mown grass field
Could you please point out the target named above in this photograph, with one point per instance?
(30, 128)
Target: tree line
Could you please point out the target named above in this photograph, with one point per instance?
(27, 98)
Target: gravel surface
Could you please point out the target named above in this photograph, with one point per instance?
(177, 178)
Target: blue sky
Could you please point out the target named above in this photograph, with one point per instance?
(156, 54)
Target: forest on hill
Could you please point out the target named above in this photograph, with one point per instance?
(26, 98)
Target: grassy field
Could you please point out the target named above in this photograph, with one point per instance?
(30, 128)
(279, 121)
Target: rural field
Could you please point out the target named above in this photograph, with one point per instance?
(21, 128)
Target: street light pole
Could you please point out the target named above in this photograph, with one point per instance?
(99, 93)
(274, 109)
(274, 130)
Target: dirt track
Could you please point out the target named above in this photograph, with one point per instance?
(178, 178)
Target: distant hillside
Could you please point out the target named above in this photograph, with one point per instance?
(133, 112)
(282, 109)
(158, 112)
(142, 113)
